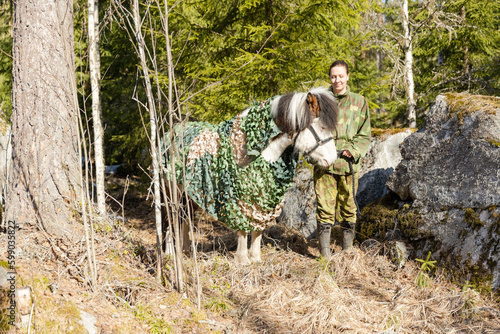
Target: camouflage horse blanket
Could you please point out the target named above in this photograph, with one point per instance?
(225, 173)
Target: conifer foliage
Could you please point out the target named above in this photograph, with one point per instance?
(228, 54)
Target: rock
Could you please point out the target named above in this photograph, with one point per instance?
(398, 252)
(450, 178)
(451, 164)
(88, 321)
(23, 300)
(382, 158)
(299, 206)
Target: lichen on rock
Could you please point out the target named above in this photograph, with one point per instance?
(450, 176)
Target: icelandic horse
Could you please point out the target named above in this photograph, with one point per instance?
(239, 170)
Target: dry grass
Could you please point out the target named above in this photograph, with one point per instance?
(355, 291)
(290, 291)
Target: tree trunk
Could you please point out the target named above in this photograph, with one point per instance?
(45, 169)
(408, 66)
(153, 129)
(95, 80)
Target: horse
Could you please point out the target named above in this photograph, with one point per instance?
(238, 171)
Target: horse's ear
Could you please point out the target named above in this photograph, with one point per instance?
(313, 104)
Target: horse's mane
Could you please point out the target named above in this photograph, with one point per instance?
(291, 112)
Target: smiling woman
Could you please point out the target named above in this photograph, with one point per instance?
(334, 193)
(339, 75)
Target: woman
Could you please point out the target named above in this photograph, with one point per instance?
(333, 186)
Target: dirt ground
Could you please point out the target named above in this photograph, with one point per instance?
(291, 291)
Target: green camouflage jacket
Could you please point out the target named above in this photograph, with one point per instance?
(353, 130)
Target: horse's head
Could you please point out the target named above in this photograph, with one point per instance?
(309, 119)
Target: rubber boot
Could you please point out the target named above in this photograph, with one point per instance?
(324, 232)
(348, 230)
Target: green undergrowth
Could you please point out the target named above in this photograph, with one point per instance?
(383, 216)
(427, 266)
(147, 315)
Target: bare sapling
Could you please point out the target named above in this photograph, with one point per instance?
(152, 138)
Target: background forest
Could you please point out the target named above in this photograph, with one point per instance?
(228, 54)
(209, 60)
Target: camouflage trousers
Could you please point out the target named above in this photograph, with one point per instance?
(335, 197)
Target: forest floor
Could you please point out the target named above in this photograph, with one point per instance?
(291, 291)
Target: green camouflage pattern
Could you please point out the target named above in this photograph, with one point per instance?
(333, 187)
(244, 197)
(334, 197)
(353, 130)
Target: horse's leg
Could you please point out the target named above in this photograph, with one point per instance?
(241, 256)
(186, 240)
(188, 234)
(254, 252)
(164, 226)
(187, 221)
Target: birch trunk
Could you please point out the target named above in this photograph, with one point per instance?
(95, 81)
(408, 66)
(153, 134)
(45, 169)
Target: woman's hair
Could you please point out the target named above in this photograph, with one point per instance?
(338, 63)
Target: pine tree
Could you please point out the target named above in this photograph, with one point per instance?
(466, 58)
(46, 164)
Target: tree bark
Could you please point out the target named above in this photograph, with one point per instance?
(153, 129)
(95, 80)
(44, 174)
(408, 66)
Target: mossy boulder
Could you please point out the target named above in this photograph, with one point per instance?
(450, 179)
(299, 204)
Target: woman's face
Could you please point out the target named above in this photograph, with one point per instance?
(338, 79)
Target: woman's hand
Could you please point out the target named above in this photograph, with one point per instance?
(346, 153)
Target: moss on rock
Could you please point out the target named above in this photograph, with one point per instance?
(382, 216)
(463, 104)
(494, 142)
(471, 218)
(377, 218)
(384, 133)
(466, 273)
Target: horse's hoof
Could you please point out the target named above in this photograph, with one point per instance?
(242, 260)
(255, 259)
